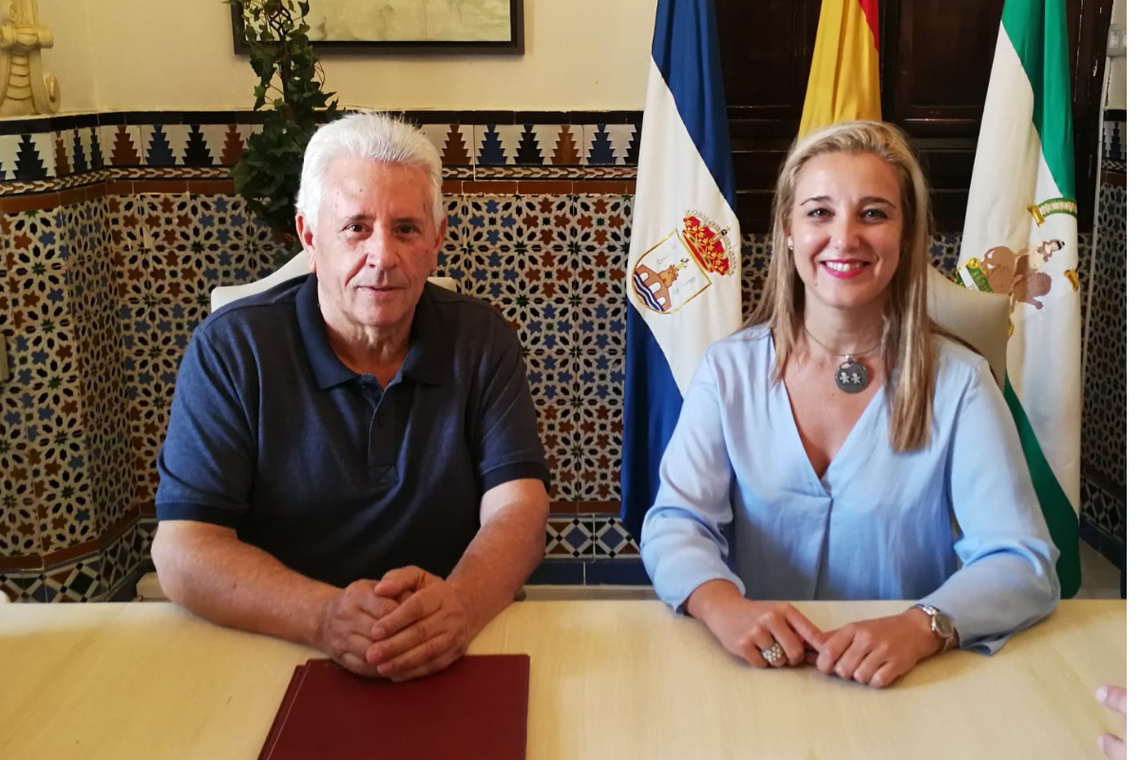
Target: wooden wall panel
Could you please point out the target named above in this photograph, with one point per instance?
(935, 60)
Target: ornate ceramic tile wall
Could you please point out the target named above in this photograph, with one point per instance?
(115, 228)
(1103, 432)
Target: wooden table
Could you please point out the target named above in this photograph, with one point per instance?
(609, 679)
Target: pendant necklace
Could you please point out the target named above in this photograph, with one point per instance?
(851, 377)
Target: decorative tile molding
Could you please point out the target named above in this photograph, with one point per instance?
(47, 155)
(1115, 139)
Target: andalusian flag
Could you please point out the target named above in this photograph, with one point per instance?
(844, 80)
(1021, 238)
(683, 275)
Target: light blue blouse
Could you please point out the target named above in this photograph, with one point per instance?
(740, 500)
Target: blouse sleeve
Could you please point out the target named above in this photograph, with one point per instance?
(1007, 580)
(683, 541)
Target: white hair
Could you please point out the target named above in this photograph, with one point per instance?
(375, 136)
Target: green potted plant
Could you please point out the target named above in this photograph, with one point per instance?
(290, 93)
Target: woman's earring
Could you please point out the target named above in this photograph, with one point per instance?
(790, 246)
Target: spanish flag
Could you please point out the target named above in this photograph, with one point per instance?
(844, 80)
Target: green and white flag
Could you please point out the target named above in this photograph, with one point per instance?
(1021, 239)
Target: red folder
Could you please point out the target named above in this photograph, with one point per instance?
(474, 709)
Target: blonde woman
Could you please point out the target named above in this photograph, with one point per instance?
(840, 447)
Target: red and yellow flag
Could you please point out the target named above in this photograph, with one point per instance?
(844, 80)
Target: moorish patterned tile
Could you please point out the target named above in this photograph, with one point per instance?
(165, 144)
(40, 320)
(147, 434)
(64, 151)
(167, 219)
(19, 529)
(455, 142)
(122, 145)
(550, 377)
(35, 158)
(1104, 428)
(604, 220)
(597, 405)
(35, 238)
(78, 580)
(497, 144)
(455, 207)
(118, 559)
(944, 252)
(22, 585)
(612, 540)
(609, 144)
(19, 524)
(1115, 137)
(144, 535)
(216, 222)
(560, 144)
(1101, 507)
(174, 323)
(9, 150)
(111, 477)
(84, 159)
(569, 536)
(601, 329)
(529, 151)
(601, 271)
(205, 145)
(544, 326)
(546, 221)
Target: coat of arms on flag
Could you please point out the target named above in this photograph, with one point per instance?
(676, 270)
(684, 244)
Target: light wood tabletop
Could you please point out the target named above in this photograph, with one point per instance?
(609, 679)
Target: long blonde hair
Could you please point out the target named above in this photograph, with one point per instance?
(907, 334)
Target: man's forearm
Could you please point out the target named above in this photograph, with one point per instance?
(234, 584)
(500, 558)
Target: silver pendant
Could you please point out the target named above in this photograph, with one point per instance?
(851, 377)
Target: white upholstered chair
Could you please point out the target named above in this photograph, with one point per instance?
(978, 318)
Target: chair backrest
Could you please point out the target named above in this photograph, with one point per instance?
(980, 319)
(294, 267)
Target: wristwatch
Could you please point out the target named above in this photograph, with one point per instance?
(941, 623)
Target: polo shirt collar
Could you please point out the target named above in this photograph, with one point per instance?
(426, 355)
(429, 351)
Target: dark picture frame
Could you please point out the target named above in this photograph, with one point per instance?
(514, 45)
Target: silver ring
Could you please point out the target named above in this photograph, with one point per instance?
(773, 653)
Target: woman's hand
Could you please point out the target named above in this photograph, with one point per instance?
(747, 629)
(877, 652)
(1114, 698)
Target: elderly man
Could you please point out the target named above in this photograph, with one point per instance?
(353, 458)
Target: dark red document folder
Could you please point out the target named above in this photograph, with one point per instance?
(474, 709)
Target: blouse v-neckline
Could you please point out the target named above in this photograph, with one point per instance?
(823, 482)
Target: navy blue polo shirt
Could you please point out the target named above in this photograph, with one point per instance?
(339, 478)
